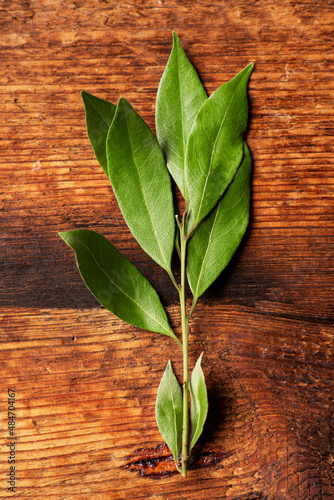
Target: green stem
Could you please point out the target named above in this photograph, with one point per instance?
(184, 319)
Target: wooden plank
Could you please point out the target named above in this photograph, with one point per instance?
(86, 394)
(85, 382)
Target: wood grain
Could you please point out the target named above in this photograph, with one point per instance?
(86, 382)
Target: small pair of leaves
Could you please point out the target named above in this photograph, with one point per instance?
(130, 155)
(116, 283)
(169, 408)
(217, 237)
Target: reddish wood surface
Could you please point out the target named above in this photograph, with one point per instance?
(86, 382)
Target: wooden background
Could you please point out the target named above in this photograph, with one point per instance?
(86, 382)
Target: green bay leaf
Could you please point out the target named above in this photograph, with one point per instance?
(169, 411)
(180, 95)
(217, 237)
(116, 283)
(199, 402)
(99, 116)
(215, 145)
(141, 182)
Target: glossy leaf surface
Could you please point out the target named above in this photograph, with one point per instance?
(141, 182)
(215, 145)
(199, 402)
(218, 236)
(99, 115)
(116, 283)
(169, 411)
(179, 97)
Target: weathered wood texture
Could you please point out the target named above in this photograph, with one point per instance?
(85, 382)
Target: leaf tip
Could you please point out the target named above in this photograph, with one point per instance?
(64, 235)
(176, 43)
(84, 96)
(250, 67)
(123, 103)
(175, 37)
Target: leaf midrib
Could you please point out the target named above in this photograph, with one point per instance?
(145, 200)
(210, 239)
(174, 408)
(195, 404)
(196, 415)
(182, 122)
(212, 155)
(207, 250)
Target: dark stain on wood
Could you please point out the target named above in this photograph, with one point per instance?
(158, 462)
